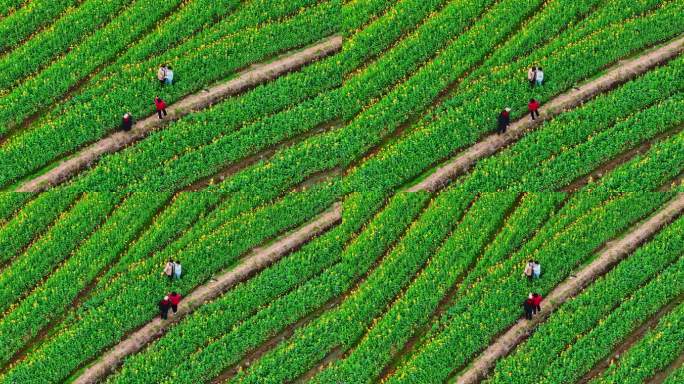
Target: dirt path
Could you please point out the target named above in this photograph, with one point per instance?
(493, 143)
(661, 376)
(203, 99)
(570, 288)
(257, 260)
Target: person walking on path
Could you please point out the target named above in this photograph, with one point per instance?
(161, 74)
(160, 105)
(174, 299)
(528, 306)
(536, 302)
(126, 122)
(536, 269)
(177, 270)
(529, 270)
(532, 76)
(164, 306)
(533, 107)
(504, 120)
(539, 77)
(169, 270)
(168, 80)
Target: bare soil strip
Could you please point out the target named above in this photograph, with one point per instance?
(493, 143)
(661, 376)
(570, 288)
(189, 104)
(254, 262)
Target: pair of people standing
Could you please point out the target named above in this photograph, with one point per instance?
(532, 270)
(535, 76)
(165, 75)
(169, 301)
(127, 120)
(173, 270)
(505, 116)
(532, 305)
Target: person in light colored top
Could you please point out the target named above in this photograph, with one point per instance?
(539, 78)
(169, 76)
(177, 269)
(536, 269)
(532, 76)
(161, 75)
(528, 270)
(168, 270)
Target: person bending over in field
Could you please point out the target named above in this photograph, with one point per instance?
(174, 299)
(127, 122)
(504, 120)
(533, 107)
(164, 306)
(160, 105)
(169, 270)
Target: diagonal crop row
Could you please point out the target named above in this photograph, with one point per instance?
(29, 316)
(349, 320)
(73, 129)
(18, 25)
(53, 246)
(345, 102)
(574, 319)
(65, 32)
(215, 318)
(494, 304)
(413, 307)
(463, 125)
(102, 325)
(358, 256)
(10, 203)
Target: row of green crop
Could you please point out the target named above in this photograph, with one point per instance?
(183, 159)
(409, 314)
(534, 44)
(25, 20)
(341, 147)
(340, 327)
(46, 252)
(215, 318)
(101, 324)
(413, 308)
(574, 128)
(493, 304)
(535, 359)
(653, 169)
(9, 6)
(76, 24)
(654, 352)
(236, 340)
(463, 126)
(130, 89)
(52, 297)
(582, 159)
(10, 203)
(30, 221)
(677, 376)
(356, 13)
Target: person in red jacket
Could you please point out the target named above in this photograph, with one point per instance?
(533, 107)
(127, 122)
(161, 106)
(528, 306)
(504, 120)
(536, 302)
(174, 299)
(164, 306)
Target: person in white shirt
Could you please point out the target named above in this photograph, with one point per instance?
(539, 78)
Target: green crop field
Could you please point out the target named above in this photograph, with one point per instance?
(331, 178)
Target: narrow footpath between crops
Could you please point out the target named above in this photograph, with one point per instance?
(610, 256)
(575, 97)
(203, 99)
(257, 260)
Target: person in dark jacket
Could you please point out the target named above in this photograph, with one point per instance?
(164, 306)
(536, 302)
(174, 299)
(533, 107)
(127, 122)
(528, 306)
(160, 105)
(504, 120)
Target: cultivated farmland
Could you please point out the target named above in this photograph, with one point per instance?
(347, 199)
